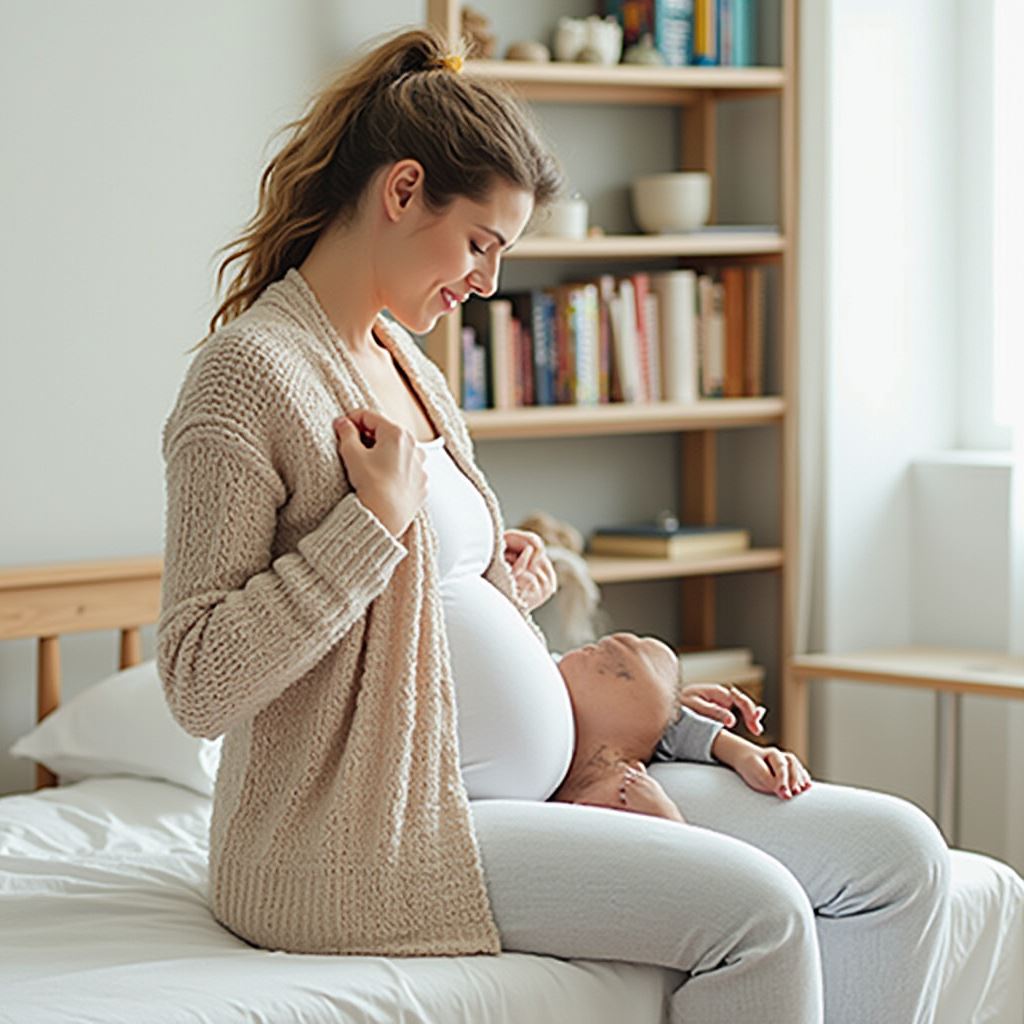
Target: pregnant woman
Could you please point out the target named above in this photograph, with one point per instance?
(338, 602)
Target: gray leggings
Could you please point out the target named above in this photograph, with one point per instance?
(832, 906)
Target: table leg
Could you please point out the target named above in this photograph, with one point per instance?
(795, 712)
(947, 764)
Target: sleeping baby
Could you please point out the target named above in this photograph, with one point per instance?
(631, 707)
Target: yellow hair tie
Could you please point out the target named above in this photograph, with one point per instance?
(453, 62)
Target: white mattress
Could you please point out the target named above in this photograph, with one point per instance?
(103, 918)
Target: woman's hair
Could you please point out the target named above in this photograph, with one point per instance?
(401, 99)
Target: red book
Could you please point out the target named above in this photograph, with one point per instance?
(642, 286)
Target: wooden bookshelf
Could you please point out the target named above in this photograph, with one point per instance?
(588, 83)
(696, 93)
(622, 418)
(612, 569)
(628, 247)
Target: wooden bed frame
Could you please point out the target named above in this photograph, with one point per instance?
(45, 602)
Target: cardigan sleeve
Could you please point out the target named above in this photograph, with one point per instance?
(236, 629)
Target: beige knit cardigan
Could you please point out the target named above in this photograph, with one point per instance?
(294, 623)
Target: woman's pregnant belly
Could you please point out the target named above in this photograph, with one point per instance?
(515, 721)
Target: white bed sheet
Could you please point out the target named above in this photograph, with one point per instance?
(104, 918)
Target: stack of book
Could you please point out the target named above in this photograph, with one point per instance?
(704, 32)
(676, 336)
(652, 540)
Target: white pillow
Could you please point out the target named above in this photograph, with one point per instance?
(122, 726)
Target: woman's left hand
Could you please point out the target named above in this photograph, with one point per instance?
(532, 570)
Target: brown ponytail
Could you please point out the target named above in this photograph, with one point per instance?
(400, 98)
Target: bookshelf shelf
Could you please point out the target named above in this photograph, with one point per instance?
(608, 569)
(699, 243)
(622, 418)
(581, 83)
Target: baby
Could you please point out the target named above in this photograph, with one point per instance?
(631, 707)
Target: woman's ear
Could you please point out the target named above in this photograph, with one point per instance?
(403, 184)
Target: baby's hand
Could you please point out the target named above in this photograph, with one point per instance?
(770, 770)
(644, 795)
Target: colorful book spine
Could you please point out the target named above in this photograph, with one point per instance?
(473, 389)
(736, 32)
(705, 32)
(641, 287)
(546, 360)
(673, 31)
(605, 291)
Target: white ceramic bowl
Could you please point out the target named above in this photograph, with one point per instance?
(679, 201)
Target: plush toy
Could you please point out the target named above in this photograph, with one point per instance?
(573, 616)
(480, 41)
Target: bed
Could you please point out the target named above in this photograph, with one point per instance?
(103, 890)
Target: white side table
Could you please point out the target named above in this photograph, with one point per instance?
(950, 672)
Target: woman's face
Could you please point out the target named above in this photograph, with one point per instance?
(435, 261)
(622, 687)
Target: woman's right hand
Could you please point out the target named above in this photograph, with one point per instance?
(385, 466)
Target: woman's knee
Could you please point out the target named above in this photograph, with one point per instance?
(780, 918)
(903, 856)
(920, 856)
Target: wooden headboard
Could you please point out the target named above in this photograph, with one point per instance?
(46, 601)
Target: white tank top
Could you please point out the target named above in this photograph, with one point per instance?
(515, 723)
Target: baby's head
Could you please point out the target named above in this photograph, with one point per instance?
(624, 689)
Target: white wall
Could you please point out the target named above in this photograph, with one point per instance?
(133, 138)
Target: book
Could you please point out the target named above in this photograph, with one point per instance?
(754, 324)
(641, 286)
(736, 32)
(627, 361)
(586, 370)
(502, 363)
(710, 339)
(653, 330)
(705, 32)
(605, 291)
(649, 540)
(677, 295)
(735, 336)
